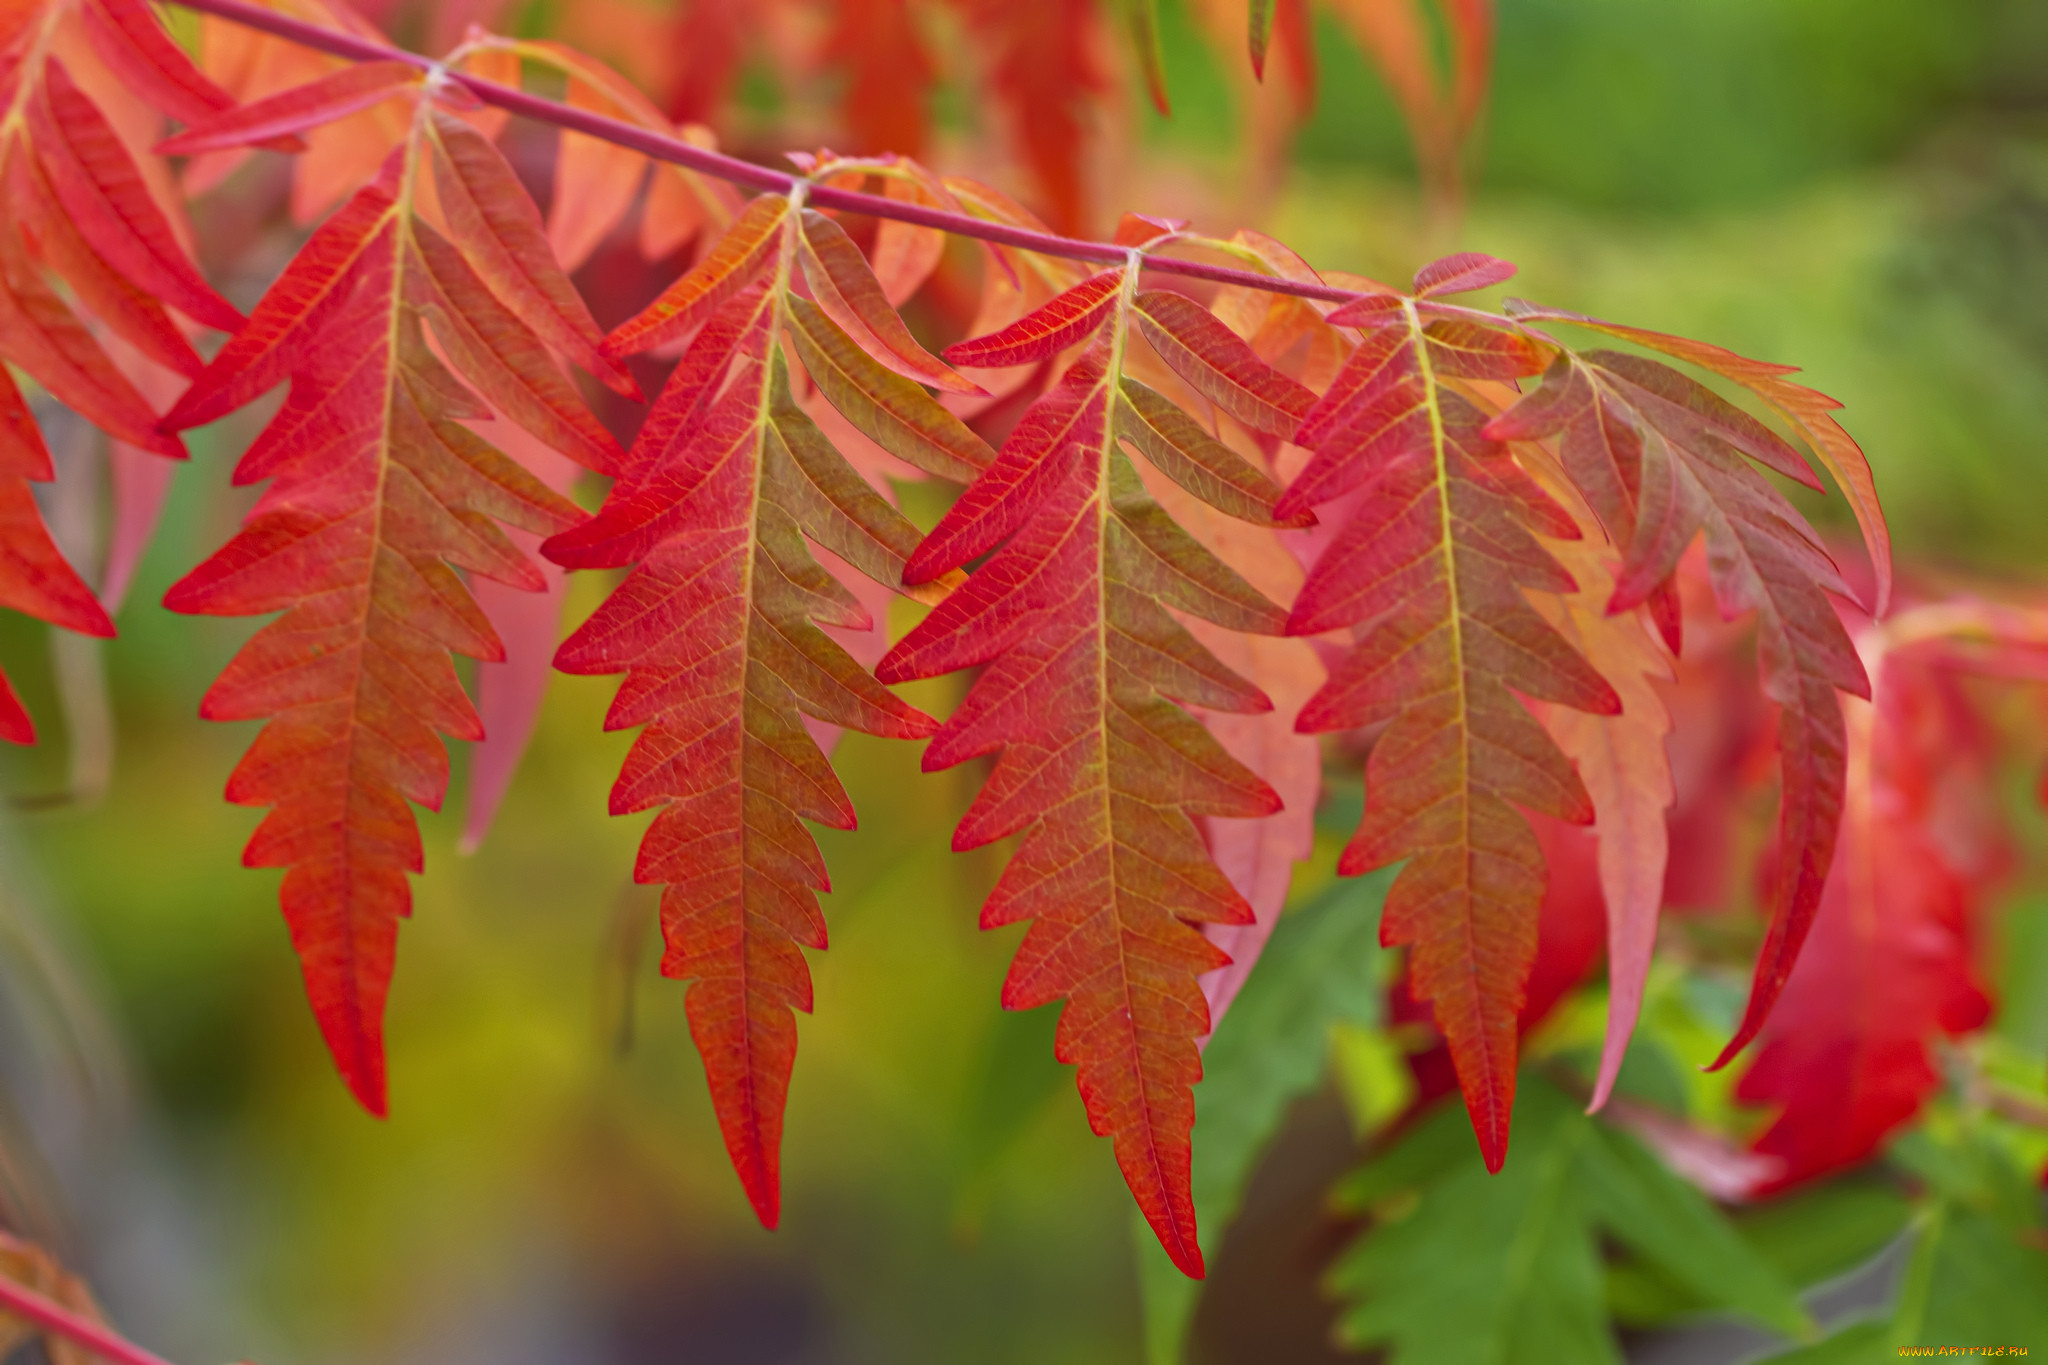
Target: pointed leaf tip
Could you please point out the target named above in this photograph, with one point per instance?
(1372, 310)
(1144, 23)
(724, 618)
(1259, 35)
(1462, 274)
(1065, 321)
(300, 109)
(1694, 476)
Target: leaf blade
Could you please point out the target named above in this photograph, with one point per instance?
(719, 629)
(1099, 770)
(1434, 561)
(378, 496)
(737, 259)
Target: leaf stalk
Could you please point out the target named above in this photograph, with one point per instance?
(51, 1316)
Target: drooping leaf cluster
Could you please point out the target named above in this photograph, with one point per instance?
(1195, 528)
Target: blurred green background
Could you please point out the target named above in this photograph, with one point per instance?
(1859, 187)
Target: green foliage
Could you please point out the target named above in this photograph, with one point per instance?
(1809, 1237)
(1459, 1266)
(1322, 969)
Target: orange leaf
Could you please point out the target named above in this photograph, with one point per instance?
(736, 259)
(905, 254)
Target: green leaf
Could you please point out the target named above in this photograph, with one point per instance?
(1976, 1280)
(1669, 1222)
(1464, 1267)
(1825, 1230)
(1320, 969)
(1812, 1236)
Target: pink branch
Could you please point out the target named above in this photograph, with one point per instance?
(731, 168)
(52, 1316)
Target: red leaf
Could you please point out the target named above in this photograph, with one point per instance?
(38, 333)
(906, 254)
(1627, 773)
(498, 228)
(1804, 409)
(710, 37)
(33, 575)
(1220, 366)
(1433, 566)
(888, 75)
(719, 630)
(1847, 1058)
(252, 66)
(595, 180)
(888, 409)
(1257, 855)
(1099, 771)
(96, 181)
(329, 99)
(509, 692)
(1569, 927)
(852, 297)
(377, 496)
(1462, 274)
(140, 483)
(1043, 70)
(126, 309)
(730, 265)
(1633, 423)
(77, 204)
(1063, 322)
(127, 37)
